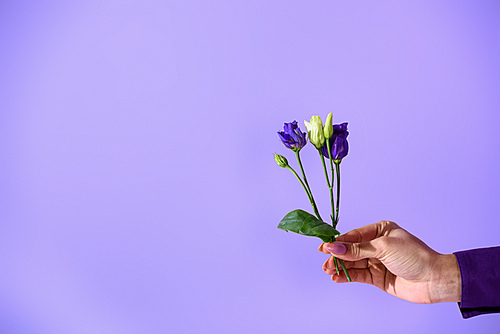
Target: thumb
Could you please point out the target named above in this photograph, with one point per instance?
(354, 251)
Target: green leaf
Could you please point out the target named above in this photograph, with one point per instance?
(302, 222)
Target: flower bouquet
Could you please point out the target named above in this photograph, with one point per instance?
(331, 142)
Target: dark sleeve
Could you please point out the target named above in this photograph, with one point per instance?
(480, 273)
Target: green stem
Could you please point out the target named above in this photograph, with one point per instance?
(300, 180)
(345, 270)
(337, 165)
(313, 202)
(324, 167)
(331, 185)
(307, 192)
(297, 154)
(337, 168)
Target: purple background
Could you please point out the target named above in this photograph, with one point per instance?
(138, 192)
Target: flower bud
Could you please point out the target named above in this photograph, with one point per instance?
(315, 130)
(328, 129)
(281, 160)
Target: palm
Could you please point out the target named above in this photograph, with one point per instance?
(398, 286)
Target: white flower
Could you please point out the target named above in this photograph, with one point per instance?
(315, 131)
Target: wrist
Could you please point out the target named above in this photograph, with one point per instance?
(446, 285)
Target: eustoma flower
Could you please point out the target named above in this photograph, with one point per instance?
(292, 137)
(315, 130)
(331, 142)
(339, 146)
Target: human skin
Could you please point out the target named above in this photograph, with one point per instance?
(387, 256)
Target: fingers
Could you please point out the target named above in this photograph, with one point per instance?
(354, 251)
(322, 248)
(357, 251)
(368, 232)
(358, 271)
(356, 275)
(360, 240)
(329, 265)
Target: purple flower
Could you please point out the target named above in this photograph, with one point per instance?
(292, 137)
(338, 142)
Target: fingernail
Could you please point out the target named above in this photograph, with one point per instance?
(336, 248)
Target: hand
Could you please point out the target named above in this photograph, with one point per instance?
(387, 256)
